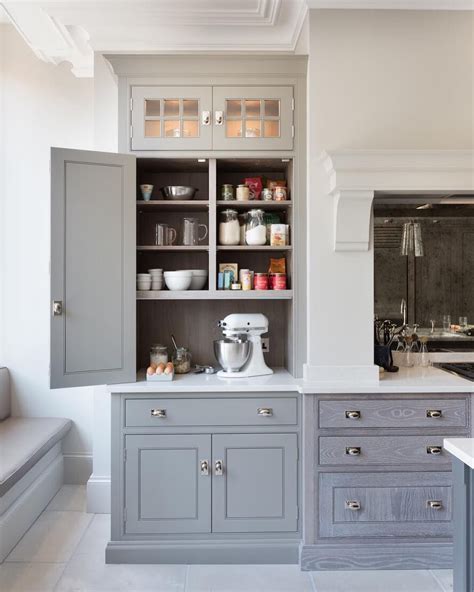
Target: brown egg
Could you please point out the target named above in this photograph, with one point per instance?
(150, 370)
(160, 368)
(169, 368)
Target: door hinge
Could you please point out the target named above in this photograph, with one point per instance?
(124, 454)
(292, 131)
(125, 515)
(131, 104)
(293, 104)
(131, 131)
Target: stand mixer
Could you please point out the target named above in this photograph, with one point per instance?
(240, 354)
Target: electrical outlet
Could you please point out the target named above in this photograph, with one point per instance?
(265, 344)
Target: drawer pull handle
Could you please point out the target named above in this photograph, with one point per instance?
(353, 450)
(219, 467)
(204, 467)
(265, 411)
(352, 505)
(435, 504)
(352, 414)
(158, 412)
(436, 450)
(434, 413)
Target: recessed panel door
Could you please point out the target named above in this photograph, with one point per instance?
(168, 484)
(254, 483)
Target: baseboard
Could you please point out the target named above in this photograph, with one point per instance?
(98, 494)
(400, 555)
(77, 468)
(203, 552)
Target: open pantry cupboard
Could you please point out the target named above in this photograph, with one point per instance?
(103, 233)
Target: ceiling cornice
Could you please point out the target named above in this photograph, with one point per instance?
(391, 4)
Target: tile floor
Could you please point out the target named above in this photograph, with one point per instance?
(64, 552)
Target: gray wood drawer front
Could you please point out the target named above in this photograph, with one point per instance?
(254, 411)
(401, 413)
(385, 504)
(383, 450)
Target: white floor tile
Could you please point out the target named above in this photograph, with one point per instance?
(445, 578)
(89, 573)
(52, 538)
(247, 578)
(70, 498)
(95, 537)
(30, 577)
(375, 581)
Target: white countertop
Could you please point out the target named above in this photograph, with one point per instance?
(407, 380)
(461, 448)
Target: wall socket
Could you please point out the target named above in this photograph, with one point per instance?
(265, 344)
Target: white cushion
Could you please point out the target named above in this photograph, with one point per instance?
(23, 441)
(5, 409)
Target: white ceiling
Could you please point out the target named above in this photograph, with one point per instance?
(71, 30)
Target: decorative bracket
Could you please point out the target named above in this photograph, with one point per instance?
(352, 216)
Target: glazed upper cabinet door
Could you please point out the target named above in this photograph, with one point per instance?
(92, 268)
(167, 483)
(171, 118)
(254, 483)
(253, 118)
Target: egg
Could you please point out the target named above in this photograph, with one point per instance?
(169, 368)
(160, 368)
(151, 370)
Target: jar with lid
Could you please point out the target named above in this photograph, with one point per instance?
(229, 228)
(256, 230)
(242, 193)
(158, 354)
(227, 192)
(182, 360)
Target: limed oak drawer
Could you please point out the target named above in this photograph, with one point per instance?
(394, 413)
(385, 504)
(258, 411)
(383, 450)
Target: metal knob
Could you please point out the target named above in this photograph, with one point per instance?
(435, 504)
(353, 450)
(265, 411)
(219, 467)
(352, 505)
(352, 414)
(206, 118)
(436, 450)
(158, 412)
(434, 413)
(204, 467)
(57, 308)
(219, 117)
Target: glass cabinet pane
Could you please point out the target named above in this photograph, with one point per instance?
(272, 108)
(234, 128)
(271, 128)
(190, 108)
(171, 107)
(234, 108)
(152, 108)
(172, 129)
(153, 129)
(252, 128)
(190, 128)
(252, 108)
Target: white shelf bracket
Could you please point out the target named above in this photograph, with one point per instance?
(352, 220)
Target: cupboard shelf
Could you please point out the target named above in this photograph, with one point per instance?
(175, 248)
(170, 205)
(250, 248)
(215, 295)
(259, 204)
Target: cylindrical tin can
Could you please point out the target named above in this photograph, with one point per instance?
(267, 194)
(227, 192)
(279, 193)
(246, 279)
(279, 281)
(261, 281)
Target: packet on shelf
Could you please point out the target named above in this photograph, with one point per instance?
(255, 187)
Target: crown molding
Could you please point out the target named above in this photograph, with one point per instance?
(392, 4)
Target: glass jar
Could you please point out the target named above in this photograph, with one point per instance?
(182, 360)
(242, 193)
(158, 354)
(227, 192)
(256, 230)
(242, 227)
(229, 228)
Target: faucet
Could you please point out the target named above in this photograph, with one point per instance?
(403, 310)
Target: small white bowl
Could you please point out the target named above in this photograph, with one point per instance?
(143, 287)
(199, 278)
(155, 271)
(144, 276)
(178, 282)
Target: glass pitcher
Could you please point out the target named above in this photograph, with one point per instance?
(191, 228)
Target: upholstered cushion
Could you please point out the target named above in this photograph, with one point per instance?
(4, 393)
(23, 441)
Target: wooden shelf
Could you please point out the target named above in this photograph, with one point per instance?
(258, 204)
(175, 248)
(170, 205)
(250, 248)
(215, 295)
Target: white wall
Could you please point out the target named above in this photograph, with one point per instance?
(376, 79)
(43, 106)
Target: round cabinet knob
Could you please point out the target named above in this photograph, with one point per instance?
(158, 412)
(434, 413)
(436, 450)
(352, 414)
(353, 450)
(353, 505)
(435, 504)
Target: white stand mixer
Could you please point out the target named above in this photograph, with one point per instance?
(252, 327)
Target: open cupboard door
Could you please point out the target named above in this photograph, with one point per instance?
(93, 300)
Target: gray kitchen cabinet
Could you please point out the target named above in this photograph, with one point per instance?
(254, 485)
(167, 485)
(171, 117)
(92, 259)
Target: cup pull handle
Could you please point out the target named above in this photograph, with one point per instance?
(158, 412)
(353, 505)
(436, 450)
(353, 450)
(352, 414)
(434, 413)
(265, 411)
(435, 504)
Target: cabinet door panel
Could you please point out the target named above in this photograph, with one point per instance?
(164, 489)
(257, 491)
(92, 267)
(253, 118)
(171, 118)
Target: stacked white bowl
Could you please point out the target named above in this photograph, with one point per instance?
(143, 281)
(178, 280)
(199, 278)
(156, 279)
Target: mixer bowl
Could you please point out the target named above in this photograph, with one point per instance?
(232, 354)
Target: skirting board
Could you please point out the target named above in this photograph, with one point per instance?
(381, 556)
(203, 552)
(77, 468)
(98, 495)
